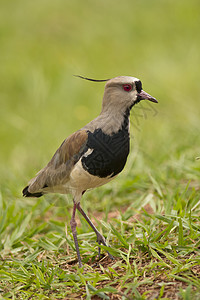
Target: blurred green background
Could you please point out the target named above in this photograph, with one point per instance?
(43, 43)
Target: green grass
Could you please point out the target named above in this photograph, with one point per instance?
(150, 214)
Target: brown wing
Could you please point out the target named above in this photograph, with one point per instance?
(58, 169)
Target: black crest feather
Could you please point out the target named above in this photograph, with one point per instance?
(91, 79)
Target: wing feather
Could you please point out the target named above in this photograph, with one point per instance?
(58, 170)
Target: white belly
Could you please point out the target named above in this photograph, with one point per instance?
(80, 180)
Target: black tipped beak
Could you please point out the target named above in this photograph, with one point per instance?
(145, 96)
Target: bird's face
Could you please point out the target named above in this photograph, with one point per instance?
(123, 92)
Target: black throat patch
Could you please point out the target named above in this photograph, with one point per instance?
(109, 152)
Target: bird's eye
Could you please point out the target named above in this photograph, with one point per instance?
(127, 87)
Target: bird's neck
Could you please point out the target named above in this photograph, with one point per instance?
(110, 122)
(115, 121)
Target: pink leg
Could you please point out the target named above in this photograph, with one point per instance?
(100, 237)
(73, 225)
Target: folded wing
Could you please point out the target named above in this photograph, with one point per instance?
(58, 170)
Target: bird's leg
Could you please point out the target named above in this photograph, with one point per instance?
(73, 225)
(100, 237)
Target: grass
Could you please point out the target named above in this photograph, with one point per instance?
(150, 215)
(155, 241)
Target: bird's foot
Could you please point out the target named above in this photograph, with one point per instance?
(101, 240)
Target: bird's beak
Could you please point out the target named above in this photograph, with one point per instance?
(145, 96)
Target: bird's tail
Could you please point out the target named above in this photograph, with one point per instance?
(26, 193)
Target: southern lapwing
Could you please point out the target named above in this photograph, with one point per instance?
(95, 154)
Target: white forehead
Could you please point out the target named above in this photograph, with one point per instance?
(122, 80)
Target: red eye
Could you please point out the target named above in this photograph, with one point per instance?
(127, 87)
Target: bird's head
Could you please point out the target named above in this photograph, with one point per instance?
(122, 93)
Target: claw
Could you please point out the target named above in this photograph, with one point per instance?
(101, 240)
(99, 252)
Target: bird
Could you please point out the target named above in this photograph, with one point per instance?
(95, 154)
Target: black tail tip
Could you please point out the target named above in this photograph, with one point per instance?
(26, 193)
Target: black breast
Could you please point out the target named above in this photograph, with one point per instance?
(109, 152)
